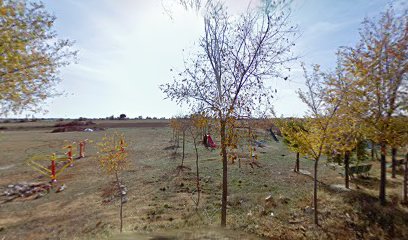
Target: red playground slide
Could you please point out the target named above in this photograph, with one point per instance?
(210, 142)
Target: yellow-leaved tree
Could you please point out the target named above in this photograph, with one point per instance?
(112, 157)
(399, 131)
(318, 122)
(291, 130)
(197, 123)
(175, 126)
(349, 130)
(379, 90)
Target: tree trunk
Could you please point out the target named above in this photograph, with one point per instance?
(383, 174)
(224, 175)
(250, 138)
(184, 140)
(172, 138)
(372, 150)
(175, 139)
(346, 168)
(297, 162)
(405, 192)
(197, 174)
(121, 201)
(205, 140)
(316, 220)
(394, 161)
(178, 139)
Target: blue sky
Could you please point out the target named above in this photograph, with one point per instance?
(127, 48)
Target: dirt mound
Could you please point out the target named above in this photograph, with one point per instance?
(76, 126)
(130, 124)
(75, 123)
(77, 129)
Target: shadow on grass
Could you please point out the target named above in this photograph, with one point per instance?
(392, 219)
(372, 183)
(172, 147)
(371, 218)
(367, 218)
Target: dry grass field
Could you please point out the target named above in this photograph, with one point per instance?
(161, 198)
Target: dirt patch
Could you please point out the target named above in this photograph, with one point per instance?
(81, 126)
(112, 193)
(52, 124)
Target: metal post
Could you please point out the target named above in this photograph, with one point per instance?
(53, 172)
(69, 154)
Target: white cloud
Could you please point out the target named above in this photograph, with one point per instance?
(128, 46)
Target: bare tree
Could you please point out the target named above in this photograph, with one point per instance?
(228, 75)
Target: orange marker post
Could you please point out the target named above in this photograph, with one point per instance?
(81, 149)
(69, 154)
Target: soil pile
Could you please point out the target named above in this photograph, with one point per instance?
(76, 126)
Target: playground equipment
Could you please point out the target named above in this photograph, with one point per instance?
(210, 142)
(58, 163)
(273, 135)
(250, 141)
(69, 154)
(52, 171)
(82, 148)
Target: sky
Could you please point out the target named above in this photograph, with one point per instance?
(127, 48)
